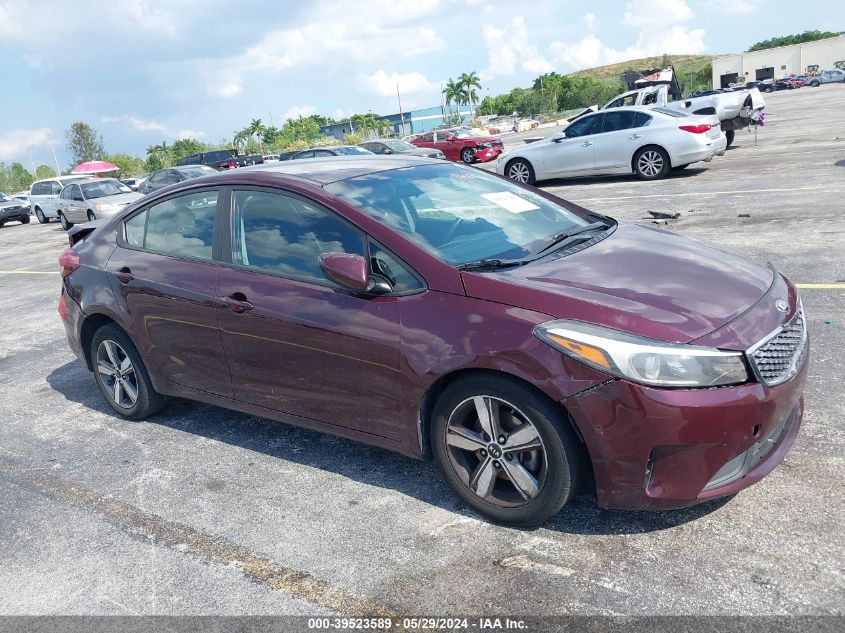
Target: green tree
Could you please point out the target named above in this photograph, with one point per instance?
(14, 177)
(786, 40)
(454, 92)
(129, 165)
(44, 171)
(158, 157)
(83, 143)
(185, 147)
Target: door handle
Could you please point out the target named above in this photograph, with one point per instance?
(124, 275)
(587, 144)
(634, 137)
(237, 303)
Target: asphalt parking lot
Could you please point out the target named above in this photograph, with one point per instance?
(200, 510)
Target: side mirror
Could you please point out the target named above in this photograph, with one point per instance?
(346, 270)
(558, 139)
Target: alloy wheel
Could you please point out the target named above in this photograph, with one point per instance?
(467, 156)
(496, 451)
(118, 374)
(519, 172)
(40, 215)
(650, 163)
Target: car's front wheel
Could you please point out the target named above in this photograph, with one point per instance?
(40, 215)
(729, 137)
(814, 84)
(507, 451)
(122, 376)
(652, 163)
(520, 170)
(24, 219)
(64, 222)
(91, 216)
(467, 156)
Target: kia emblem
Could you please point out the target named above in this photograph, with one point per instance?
(781, 305)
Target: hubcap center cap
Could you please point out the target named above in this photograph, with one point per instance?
(495, 451)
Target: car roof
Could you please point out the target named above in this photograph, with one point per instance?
(327, 170)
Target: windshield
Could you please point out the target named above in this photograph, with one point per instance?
(399, 146)
(461, 133)
(459, 214)
(4, 197)
(199, 170)
(351, 150)
(103, 188)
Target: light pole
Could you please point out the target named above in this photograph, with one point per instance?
(55, 160)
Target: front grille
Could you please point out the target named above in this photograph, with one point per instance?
(776, 358)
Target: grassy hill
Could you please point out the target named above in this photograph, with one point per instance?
(694, 71)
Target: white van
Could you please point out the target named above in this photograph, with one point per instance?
(44, 196)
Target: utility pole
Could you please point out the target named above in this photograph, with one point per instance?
(55, 160)
(401, 116)
(31, 162)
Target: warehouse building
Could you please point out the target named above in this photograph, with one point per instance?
(412, 122)
(775, 63)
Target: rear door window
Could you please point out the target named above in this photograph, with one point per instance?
(619, 120)
(641, 119)
(182, 226)
(55, 187)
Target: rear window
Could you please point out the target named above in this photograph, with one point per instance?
(196, 172)
(218, 156)
(670, 112)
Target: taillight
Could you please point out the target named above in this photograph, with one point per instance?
(231, 164)
(696, 129)
(68, 262)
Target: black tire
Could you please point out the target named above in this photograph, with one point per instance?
(520, 166)
(729, 135)
(25, 219)
(64, 222)
(468, 156)
(561, 456)
(2, 223)
(815, 84)
(148, 401)
(91, 216)
(40, 215)
(769, 88)
(651, 163)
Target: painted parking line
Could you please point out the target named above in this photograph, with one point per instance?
(29, 272)
(744, 192)
(822, 286)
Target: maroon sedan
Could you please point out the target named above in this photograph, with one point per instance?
(461, 145)
(523, 342)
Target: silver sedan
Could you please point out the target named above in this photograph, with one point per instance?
(91, 199)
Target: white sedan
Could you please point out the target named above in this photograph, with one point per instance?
(648, 142)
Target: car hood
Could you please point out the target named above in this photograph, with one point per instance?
(11, 204)
(640, 280)
(422, 151)
(119, 198)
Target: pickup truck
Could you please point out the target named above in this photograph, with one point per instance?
(660, 88)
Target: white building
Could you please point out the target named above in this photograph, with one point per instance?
(772, 63)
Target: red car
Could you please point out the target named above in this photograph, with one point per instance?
(440, 311)
(461, 145)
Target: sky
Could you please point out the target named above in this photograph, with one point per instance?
(145, 71)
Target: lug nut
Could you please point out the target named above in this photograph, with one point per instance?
(483, 452)
(496, 464)
(502, 439)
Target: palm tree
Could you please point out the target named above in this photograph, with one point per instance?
(255, 130)
(454, 92)
(469, 82)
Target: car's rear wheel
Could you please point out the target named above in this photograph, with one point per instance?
(814, 84)
(729, 136)
(64, 221)
(40, 215)
(122, 376)
(507, 451)
(467, 155)
(24, 219)
(769, 88)
(520, 170)
(91, 216)
(651, 163)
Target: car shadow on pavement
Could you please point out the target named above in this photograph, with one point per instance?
(689, 172)
(363, 463)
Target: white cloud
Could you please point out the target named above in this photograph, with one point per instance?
(648, 13)
(384, 84)
(339, 114)
(182, 134)
(298, 111)
(732, 7)
(509, 50)
(589, 20)
(15, 143)
(227, 90)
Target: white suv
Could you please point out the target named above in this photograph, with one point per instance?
(44, 196)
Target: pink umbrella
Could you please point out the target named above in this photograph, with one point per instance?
(94, 167)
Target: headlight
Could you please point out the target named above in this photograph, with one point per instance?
(644, 360)
(483, 145)
(108, 207)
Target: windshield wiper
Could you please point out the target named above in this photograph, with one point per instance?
(567, 235)
(491, 263)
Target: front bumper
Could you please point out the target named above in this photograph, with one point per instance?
(668, 448)
(9, 215)
(486, 154)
